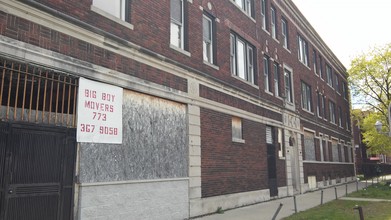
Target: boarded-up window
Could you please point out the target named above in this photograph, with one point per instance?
(309, 146)
(335, 151)
(237, 128)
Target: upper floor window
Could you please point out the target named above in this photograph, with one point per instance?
(246, 5)
(315, 61)
(347, 121)
(345, 90)
(306, 97)
(303, 50)
(332, 112)
(320, 67)
(116, 8)
(177, 23)
(329, 75)
(284, 33)
(337, 83)
(242, 58)
(208, 39)
(320, 107)
(288, 86)
(339, 116)
(273, 19)
(276, 71)
(266, 74)
(263, 14)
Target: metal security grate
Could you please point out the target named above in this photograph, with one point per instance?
(34, 94)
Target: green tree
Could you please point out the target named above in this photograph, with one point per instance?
(370, 83)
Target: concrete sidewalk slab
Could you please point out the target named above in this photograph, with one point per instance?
(267, 210)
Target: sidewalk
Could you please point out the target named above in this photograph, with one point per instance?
(266, 210)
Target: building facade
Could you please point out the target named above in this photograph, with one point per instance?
(165, 109)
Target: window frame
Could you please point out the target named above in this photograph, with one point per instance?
(266, 74)
(237, 129)
(319, 108)
(288, 85)
(264, 13)
(247, 6)
(315, 61)
(276, 72)
(284, 33)
(329, 75)
(210, 58)
(340, 116)
(302, 50)
(179, 24)
(273, 21)
(249, 59)
(124, 17)
(320, 67)
(332, 113)
(306, 96)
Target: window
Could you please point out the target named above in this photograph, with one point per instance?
(329, 75)
(208, 36)
(242, 59)
(306, 99)
(315, 61)
(323, 103)
(117, 8)
(246, 5)
(319, 108)
(320, 67)
(273, 22)
(237, 129)
(263, 15)
(347, 121)
(345, 90)
(269, 135)
(339, 116)
(177, 23)
(332, 112)
(284, 33)
(337, 83)
(303, 50)
(288, 86)
(309, 146)
(276, 72)
(266, 74)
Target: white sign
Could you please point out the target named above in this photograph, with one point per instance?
(99, 112)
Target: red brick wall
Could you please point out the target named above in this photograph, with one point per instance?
(326, 170)
(32, 33)
(220, 97)
(229, 167)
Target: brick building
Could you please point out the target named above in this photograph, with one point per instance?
(224, 103)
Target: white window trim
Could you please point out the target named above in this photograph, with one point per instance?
(182, 31)
(211, 52)
(273, 22)
(111, 17)
(284, 34)
(249, 64)
(303, 50)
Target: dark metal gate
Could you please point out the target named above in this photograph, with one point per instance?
(37, 170)
(37, 142)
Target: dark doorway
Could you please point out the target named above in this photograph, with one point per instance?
(36, 172)
(271, 161)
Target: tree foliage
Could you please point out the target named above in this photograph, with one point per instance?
(370, 83)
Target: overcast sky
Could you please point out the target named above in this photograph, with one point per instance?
(349, 27)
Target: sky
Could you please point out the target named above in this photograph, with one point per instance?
(349, 27)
